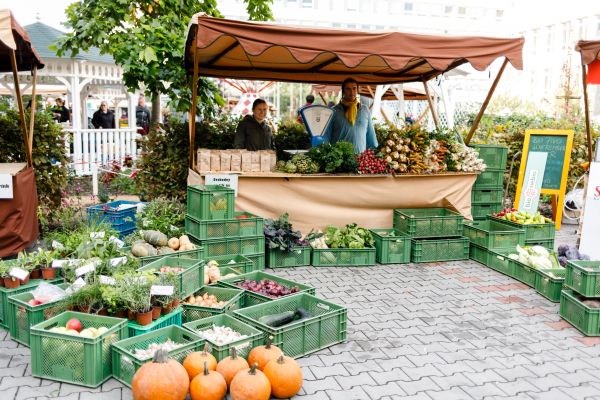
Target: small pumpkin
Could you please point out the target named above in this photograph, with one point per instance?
(194, 362)
(285, 376)
(161, 378)
(250, 384)
(229, 366)
(208, 385)
(263, 354)
(173, 243)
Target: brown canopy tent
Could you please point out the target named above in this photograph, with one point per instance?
(18, 220)
(590, 52)
(223, 48)
(410, 93)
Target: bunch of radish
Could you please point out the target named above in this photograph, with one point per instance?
(370, 163)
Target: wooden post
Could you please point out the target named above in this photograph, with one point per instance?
(418, 122)
(586, 109)
(32, 111)
(436, 121)
(486, 102)
(192, 119)
(322, 98)
(13, 61)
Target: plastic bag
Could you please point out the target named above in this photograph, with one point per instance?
(46, 293)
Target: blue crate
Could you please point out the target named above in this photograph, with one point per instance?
(123, 221)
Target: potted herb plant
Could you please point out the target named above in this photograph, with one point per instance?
(10, 282)
(31, 262)
(45, 261)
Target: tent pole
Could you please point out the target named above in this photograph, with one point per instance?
(418, 122)
(431, 107)
(13, 61)
(32, 111)
(192, 119)
(323, 98)
(486, 102)
(586, 109)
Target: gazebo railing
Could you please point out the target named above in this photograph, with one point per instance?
(88, 147)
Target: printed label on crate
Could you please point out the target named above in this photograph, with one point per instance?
(116, 241)
(18, 273)
(158, 290)
(116, 261)
(57, 245)
(85, 269)
(60, 263)
(97, 235)
(107, 280)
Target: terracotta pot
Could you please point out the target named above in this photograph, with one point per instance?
(1, 282)
(104, 311)
(49, 273)
(70, 308)
(144, 319)
(35, 274)
(156, 310)
(175, 303)
(25, 281)
(131, 315)
(9, 283)
(166, 310)
(121, 314)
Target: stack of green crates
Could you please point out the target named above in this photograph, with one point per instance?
(580, 297)
(436, 233)
(486, 196)
(489, 239)
(212, 222)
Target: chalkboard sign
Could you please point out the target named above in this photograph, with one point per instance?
(555, 146)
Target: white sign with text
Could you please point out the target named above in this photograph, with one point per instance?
(590, 229)
(227, 180)
(6, 186)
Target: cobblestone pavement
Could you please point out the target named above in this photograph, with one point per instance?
(455, 330)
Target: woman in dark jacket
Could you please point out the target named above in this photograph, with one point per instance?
(253, 132)
(103, 118)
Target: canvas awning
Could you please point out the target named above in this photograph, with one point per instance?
(410, 93)
(589, 49)
(267, 51)
(590, 52)
(14, 37)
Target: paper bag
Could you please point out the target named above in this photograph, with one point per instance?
(265, 161)
(236, 160)
(203, 160)
(215, 161)
(246, 161)
(255, 161)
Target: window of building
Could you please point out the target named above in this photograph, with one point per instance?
(351, 5)
(307, 4)
(408, 8)
(336, 25)
(462, 10)
(499, 13)
(448, 9)
(291, 2)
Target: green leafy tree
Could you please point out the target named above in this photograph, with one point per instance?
(147, 39)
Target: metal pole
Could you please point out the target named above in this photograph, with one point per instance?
(32, 111)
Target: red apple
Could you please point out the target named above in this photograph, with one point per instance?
(74, 324)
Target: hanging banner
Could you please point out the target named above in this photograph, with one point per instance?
(590, 228)
(532, 184)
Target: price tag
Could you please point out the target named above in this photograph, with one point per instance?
(116, 261)
(107, 280)
(18, 273)
(85, 269)
(79, 283)
(97, 235)
(57, 245)
(116, 241)
(157, 290)
(60, 263)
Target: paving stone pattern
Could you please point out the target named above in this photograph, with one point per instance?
(454, 330)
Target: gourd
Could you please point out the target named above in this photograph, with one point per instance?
(143, 250)
(230, 366)
(208, 385)
(285, 376)
(214, 274)
(277, 320)
(173, 243)
(161, 378)
(165, 250)
(194, 362)
(250, 384)
(263, 354)
(155, 238)
(184, 239)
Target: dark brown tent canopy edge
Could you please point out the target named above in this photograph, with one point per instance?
(589, 49)
(14, 37)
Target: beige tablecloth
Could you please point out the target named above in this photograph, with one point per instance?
(317, 201)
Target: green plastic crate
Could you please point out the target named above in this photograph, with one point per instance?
(479, 254)
(433, 250)
(231, 246)
(236, 263)
(391, 246)
(548, 244)
(583, 277)
(493, 155)
(486, 196)
(498, 260)
(258, 261)
(196, 254)
(491, 178)
(73, 359)
(326, 327)
(298, 257)
(21, 316)
(252, 298)
(549, 283)
(586, 319)
(343, 257)
(523, 273)
(6, 293)
(233, 299)
(249, 225)
(189, 280)
(533, 232)
(125, 363)
(483, 211)
(493, 235)
(209, 202)
(254, 337)
(428, 222)
(172, 318)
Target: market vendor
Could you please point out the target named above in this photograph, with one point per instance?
(351, 120)
(254, 132)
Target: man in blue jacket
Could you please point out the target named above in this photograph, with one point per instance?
(351, 121)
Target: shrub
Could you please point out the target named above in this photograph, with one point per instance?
(290, 136)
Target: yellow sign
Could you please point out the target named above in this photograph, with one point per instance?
(557, 144)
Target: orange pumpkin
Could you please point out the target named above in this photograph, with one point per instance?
(161, 378)
(250, 384)
(194, 362)
(209, 385)
(229, 366)
(285, 376)
(263, 354)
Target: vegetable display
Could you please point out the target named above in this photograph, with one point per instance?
(566, 253)
(208, 385)
(230, 366)
(371, 163)
(536, 257)
(152, 348)
(161, 379)
(522, 217)
(267, 287)
(261, 355)
(284, 318)
(351, 236)
(299, 163)
(221, 335)
(285, 376)
(332, 158)
(156, 243)
(206, 300)
(250, 384)
(194, 362)
(280, 235)
(212, 273)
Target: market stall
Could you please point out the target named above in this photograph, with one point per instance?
(224, 48)
(18, 203)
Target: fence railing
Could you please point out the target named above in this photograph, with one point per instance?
(87, 147)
